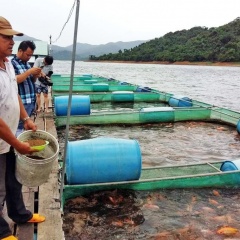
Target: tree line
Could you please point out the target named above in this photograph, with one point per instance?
(198, 44)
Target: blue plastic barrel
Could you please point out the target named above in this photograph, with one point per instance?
(87, 75)
(123, 83)
(238, 127)
(103, 160)
(180, 101)
(83, 77)
(100, 87)
(91, 81)
(80, 105)
(143, 89)
(122, 96)
(157, 114)
(230, 165)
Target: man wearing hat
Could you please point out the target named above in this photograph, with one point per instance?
(11, 110)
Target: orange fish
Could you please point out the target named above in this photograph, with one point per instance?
(150, 206)
(163, 235)
(221, 129)
(227, 231)
(116, 200)
(208, 210)
(160, 197)
(216, 193)
(129, 221)
(194, 199)
(212, 201)
(117, 223)
(219, 218)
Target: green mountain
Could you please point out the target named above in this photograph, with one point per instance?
(221, 44)
(84, 50)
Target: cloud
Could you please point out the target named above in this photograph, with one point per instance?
(103, 21)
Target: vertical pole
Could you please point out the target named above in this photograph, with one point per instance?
(50, 45)
(69, 101)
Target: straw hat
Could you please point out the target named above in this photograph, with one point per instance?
(6, 28)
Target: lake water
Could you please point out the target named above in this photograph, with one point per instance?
(181, 214)
(215, 85)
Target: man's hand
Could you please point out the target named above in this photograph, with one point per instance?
(30, 125)
(24, 148)
(35, 71)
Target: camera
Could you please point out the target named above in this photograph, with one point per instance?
(45, 81)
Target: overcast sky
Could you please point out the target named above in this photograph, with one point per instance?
(103, 21)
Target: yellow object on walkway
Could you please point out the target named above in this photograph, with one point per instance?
(10, 238)
(37, 218)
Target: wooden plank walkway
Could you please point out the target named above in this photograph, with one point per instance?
(48, 193)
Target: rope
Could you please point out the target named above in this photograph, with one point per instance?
(64, 25)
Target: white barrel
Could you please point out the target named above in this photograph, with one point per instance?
(33, 170)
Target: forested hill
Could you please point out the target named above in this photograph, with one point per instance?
(198, 44)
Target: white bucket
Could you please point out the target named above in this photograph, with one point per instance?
(33, 170)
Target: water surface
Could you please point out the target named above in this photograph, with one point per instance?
(181, 214)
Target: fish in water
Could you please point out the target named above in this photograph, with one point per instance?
(227, 231)
(216, 193)
(117, 223)
(151, 206)
(222, 129)
(212, 201)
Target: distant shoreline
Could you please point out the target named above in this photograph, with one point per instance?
(222, 64)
